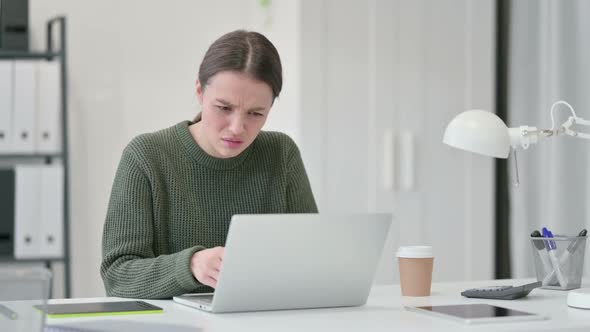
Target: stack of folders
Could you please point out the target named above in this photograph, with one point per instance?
(31, 195)
(32, 211)
(30, 105)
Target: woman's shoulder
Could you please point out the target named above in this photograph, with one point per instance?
(275, 140)
(276, 143)
(152, 143)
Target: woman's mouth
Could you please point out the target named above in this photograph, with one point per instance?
(232, 143)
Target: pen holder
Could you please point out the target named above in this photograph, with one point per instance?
(559, 261)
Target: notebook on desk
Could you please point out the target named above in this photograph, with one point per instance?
(295, 261)
(92, 309)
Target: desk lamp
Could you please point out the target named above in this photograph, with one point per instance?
(485, 133)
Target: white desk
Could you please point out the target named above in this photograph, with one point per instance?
(383, 312)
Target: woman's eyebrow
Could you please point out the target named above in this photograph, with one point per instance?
(227, 103)
(223, 101)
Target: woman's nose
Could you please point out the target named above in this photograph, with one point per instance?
(237, 125)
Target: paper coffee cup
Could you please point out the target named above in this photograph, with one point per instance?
(415, 270)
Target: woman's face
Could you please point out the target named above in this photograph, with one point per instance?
(234, 109)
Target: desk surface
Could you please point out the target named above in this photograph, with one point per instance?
(383, 312)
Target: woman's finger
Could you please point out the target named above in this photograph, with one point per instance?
(209, 282)
(214, 274)
(215, 264)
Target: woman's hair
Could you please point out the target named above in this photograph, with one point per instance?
(246, 52)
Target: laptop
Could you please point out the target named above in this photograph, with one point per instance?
(296, 261)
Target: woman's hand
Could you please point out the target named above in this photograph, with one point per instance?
(206, 264)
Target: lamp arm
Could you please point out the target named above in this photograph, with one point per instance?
(524, 136)
(573, 121)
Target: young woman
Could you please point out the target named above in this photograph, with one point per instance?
(176, 189)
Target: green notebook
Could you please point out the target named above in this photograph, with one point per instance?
(99, 309)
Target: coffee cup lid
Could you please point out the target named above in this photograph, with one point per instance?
(415, 252)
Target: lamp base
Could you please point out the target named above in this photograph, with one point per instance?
(579, 298)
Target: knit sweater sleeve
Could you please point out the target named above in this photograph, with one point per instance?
(130, 267)
(299, 195)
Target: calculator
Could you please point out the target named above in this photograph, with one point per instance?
(501, 292)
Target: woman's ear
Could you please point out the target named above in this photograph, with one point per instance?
(199, 93)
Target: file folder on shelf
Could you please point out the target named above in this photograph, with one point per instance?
(52, 217)
(39, 211)
(6, 93)
(6, 212)
(24, 106)
(27, 213)
(48, 133)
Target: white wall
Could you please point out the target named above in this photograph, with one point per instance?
(132, 68)
(379, 68)
(133, 64)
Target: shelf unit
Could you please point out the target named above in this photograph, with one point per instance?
(58, 23)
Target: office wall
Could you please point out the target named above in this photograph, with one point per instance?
(381, 79)
(354, 70)
(132, 69)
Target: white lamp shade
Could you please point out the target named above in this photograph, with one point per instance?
(480, 132)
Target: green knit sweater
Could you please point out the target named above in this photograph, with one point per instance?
(170, 199)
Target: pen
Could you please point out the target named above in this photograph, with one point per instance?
(551, 246)
(550, 278)
(7, 312)
(540, 246)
